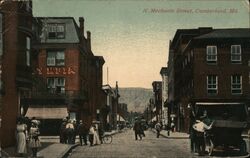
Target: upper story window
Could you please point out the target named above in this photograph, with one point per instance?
(236, 54)
(236, 84)
(56, 84)
(211, 54)
(212, 84)
(56, 31)
(28, 51)
(27, 6)
(55, 58)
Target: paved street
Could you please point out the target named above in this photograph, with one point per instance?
(124, 146)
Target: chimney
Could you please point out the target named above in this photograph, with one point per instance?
(205, 30)
(81, 22)
(89, 39)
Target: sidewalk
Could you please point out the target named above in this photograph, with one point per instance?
(173, 135)
(51, 148)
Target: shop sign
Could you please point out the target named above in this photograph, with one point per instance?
(56, 71)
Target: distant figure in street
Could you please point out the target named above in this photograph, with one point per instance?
(83, 133)
(172, 125)
(158, 127)
(63, 135)
(141, 132)
(70, 131)
(21, 136)
(137, 130)
(34, 133)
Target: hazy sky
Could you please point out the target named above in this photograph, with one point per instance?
(134, 38)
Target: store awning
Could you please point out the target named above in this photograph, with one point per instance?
(214, 103)
(119, 118)
(47, 113)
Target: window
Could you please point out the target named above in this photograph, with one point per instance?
(55, 58)
(236, 54)
(56, 31)
(211, 54)
(56, 85)
(236, 84)
(212, 84)
(28, 51)
(27, 6)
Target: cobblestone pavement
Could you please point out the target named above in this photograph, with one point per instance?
(125, 146)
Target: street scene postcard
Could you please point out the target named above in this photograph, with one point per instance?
(124, 78)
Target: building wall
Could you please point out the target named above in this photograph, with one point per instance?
(13, 65)
(70, 71)
(224, 69)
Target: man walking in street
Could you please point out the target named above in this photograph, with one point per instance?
(137, 129)
(158, 127)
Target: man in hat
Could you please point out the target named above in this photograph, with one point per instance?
(83, 132)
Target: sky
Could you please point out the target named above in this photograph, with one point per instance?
(133, 35)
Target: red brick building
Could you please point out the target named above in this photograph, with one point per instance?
(210, 66)
(15, 48)
(68, 75)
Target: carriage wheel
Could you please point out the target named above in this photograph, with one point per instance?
(107, 139)
(211, 148)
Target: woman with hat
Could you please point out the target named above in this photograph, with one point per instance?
(34, 139)
(21, 136)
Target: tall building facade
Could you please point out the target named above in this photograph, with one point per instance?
(15, 51)
(210, 66)
(165, 114)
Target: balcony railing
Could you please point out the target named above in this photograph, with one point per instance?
(56, 94)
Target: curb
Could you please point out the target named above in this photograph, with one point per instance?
(66, 153)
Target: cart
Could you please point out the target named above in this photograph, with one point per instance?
(229, 121)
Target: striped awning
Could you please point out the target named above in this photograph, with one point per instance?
(47, 113)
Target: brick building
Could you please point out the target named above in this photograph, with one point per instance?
(157, 89)
(208, 66)
(68, 75)
(15, 50)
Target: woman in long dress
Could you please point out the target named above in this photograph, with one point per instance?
(34, 137)
(21, 136)
(96, 136)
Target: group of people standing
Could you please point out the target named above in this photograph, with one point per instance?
(70, 129)
(27, 135)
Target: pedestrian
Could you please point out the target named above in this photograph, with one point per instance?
(96, 139)
(74, 132)
(172, 125)
(100, 132)
(21, 137)
(91, 134)
(137, 129)
(83, 133)
(34, 142)
(70, 131)
(158, 127)
(141, 132)
(63, 136)
(200, 128)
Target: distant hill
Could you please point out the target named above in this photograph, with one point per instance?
(136, 98)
